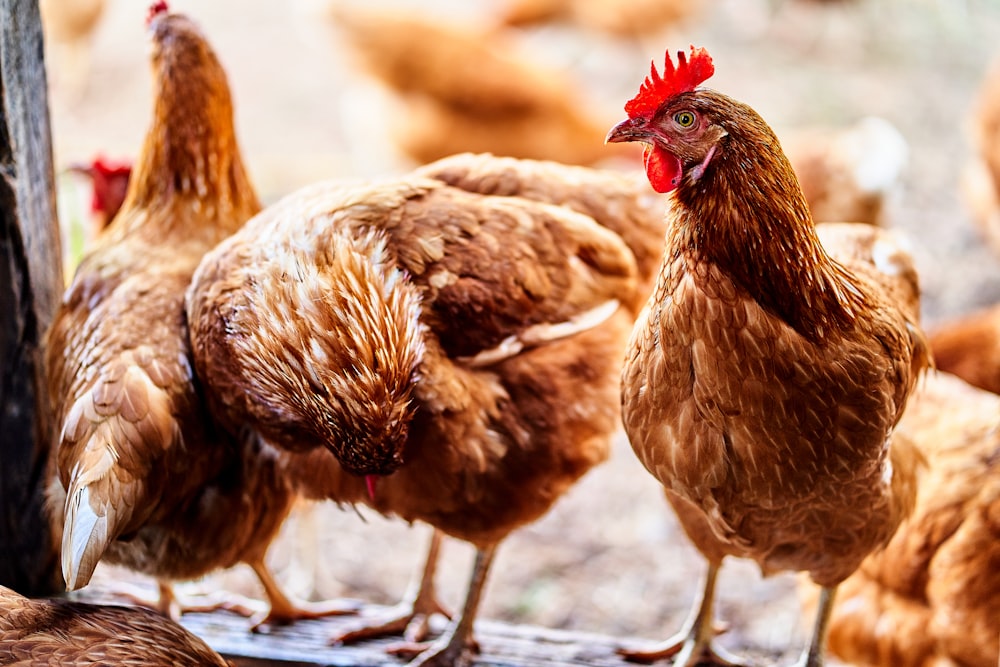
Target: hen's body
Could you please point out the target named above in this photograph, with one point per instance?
(969, 347)
(59, 633)
(848, 174)
(469, 89)
(494, 356)
(981, 178)
(932, 596)
(768, 442)
(140, 474)
(763, 380)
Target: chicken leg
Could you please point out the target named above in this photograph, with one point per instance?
(170, 604)
(282, 609)
(411, 617)
(456, 646)
(692, 645)
(813, 655)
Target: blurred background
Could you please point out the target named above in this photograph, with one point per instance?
(610, 557)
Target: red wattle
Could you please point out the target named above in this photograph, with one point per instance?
(370, 482)
(662, 169)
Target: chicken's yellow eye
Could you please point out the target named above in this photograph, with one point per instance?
(684, 118)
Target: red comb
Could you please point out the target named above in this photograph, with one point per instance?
(681, 79)
(155, 10)
(109, 167)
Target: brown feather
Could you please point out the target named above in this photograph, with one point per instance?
(60, 633)
(932, 596)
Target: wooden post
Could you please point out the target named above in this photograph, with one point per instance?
(31, 283)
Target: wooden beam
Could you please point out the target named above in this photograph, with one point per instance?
(31, 284)
(307, 643)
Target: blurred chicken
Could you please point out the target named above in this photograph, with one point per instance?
(620, 19)
(932, 596)
(60, 633)
(981, 177)
(466, 89)
(764, 379)
(81, 220)
(69, 26)
(109, 183)
(139, 475)
(457, 352)
(969, 347)
(848, 174)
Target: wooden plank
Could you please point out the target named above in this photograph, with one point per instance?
(31, 284)
(306, 643)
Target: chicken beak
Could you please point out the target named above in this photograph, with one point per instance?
(630, 129)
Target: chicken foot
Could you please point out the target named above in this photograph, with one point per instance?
(411, 617)
(172, 605)
(693, 645)
(282, 609)
(813, 655)
(456, 646)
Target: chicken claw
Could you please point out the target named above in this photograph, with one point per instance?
(411, 617)
(173, 606)
(282, 610)
(693, 645)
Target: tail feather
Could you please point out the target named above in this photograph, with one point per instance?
(85, 539)
(92, 518)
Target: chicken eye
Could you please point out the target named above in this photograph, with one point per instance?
(684, 118)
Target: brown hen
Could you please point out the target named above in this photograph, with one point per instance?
(139, 475)
(458, 351)
(468, 89)
(932, 596)
(848, 174)
(60, 633)
(969, 347)
(981, 177)
(634, 19)
(762, 382)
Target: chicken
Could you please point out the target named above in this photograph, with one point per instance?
(139, 475)
(109, 183)
(69, 27)
(969, 347)
(623, 20)
(981, 177)
(60, 633)
(932, 596)
(848, 174)
(466, 89)
(762, 382)
(436, 353)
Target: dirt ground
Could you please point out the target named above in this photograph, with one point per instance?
(609, 558)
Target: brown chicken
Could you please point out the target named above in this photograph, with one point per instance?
(139, 475)
(467, 89)
(69, 27)
(848, 174)
(932, 596)
(762, 382)
(457, 352)
(620, 19)
(60, 633)
(969, 347)
(981, 178)
(109, 183)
